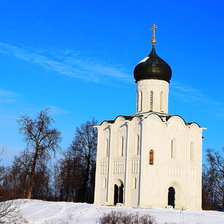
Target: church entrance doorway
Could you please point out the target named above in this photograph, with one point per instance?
(118, 192)
(171, 197)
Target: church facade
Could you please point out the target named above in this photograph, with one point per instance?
(151, 158)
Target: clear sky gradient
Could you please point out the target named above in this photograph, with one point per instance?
(77, 58)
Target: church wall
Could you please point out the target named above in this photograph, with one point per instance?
(177, 172)
(132, 164)
(124, 168)
(117, 156)
(147, 185)
(151, 140)
(97, 194)
(194, 167)
(102, 164)
(176, 141)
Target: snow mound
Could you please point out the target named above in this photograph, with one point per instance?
(45, 212)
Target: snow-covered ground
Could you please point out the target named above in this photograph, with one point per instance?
(44, 212)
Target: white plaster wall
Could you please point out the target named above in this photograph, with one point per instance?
(133, 161)
(152, 181)
(178, 172)
(102, 164)
(144, 88)
(117, 161)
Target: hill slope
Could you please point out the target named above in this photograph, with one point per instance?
(44, 212)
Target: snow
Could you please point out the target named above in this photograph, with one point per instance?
(45, 212)
(143, 60)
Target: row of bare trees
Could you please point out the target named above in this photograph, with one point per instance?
(71, 179)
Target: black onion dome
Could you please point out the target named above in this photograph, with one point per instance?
(152, 67)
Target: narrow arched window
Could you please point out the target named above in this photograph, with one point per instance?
(192, 151)
(106, 150)
(151, 157)
(134, 183)
(172, 148)
(137, 102)
(151, 100)
(122, 146)
(104, 182)
(136, 145)
(161, 102)
(140, 101)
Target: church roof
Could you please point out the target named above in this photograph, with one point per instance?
(152, 67)
(162, 116)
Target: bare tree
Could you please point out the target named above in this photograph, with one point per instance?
(3, 173)
(7, 210)
(84, 144)
(81, 156)
(14, 180)
(42, 182)
(213, 181)
(208, 189)
(41, 140)
(69, 177)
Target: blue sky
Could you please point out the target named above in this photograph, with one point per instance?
(77, 58)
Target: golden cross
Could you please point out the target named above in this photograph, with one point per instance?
(153, 41)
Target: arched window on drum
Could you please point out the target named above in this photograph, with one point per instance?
(151, 100)
(140, 96)
(161, 102)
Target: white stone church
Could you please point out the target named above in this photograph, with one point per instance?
(150, 158)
